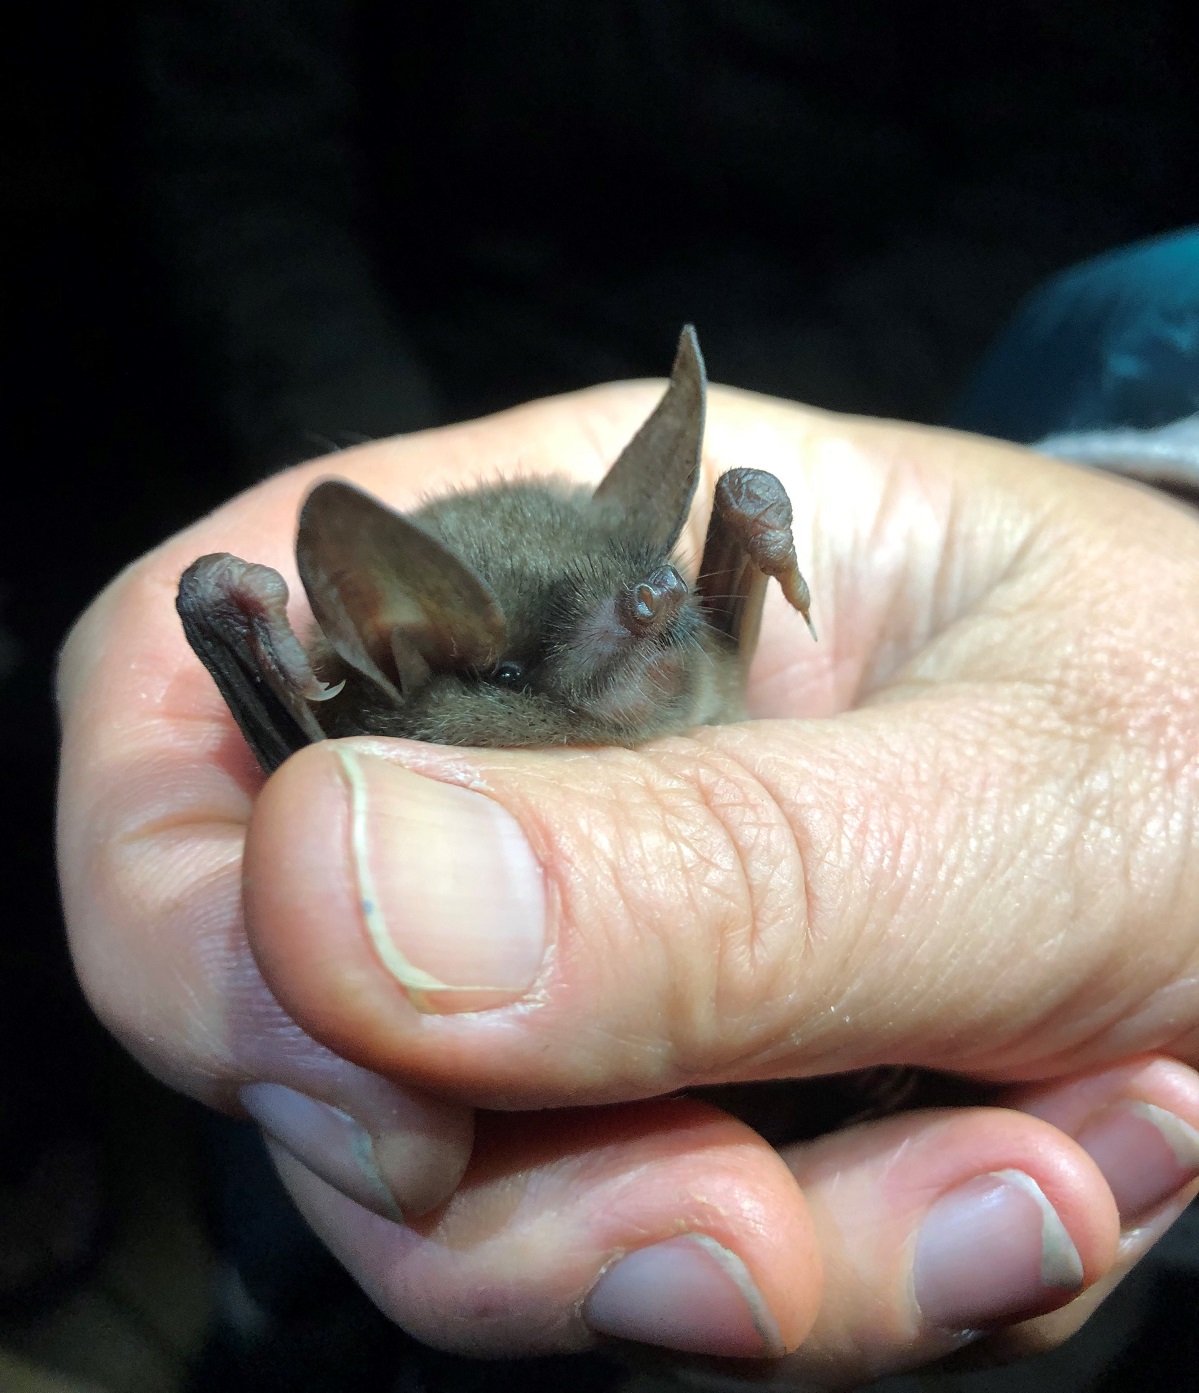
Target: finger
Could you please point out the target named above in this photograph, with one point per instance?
(934, 1227)
(1139, 1122)
(1027, 1339)
(573, 1227)
(666, 1223)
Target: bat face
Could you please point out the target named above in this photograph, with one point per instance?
(529, 613)
(596, 638)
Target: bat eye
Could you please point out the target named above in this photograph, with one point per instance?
(509, 674)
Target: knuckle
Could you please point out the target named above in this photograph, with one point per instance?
(705, 867)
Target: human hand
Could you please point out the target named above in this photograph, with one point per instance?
(982, 857)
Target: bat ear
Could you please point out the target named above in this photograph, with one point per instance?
(392, 601)
(654, 479)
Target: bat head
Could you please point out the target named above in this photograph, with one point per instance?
(529, 613)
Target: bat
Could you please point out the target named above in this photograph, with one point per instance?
(525, 613)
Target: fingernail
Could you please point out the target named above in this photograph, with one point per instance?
(452, 895)
(325, 1139)
(992, 1250)
(689, 1294)
(1146, 1154)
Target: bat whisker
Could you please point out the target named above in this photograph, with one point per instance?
(703, 652)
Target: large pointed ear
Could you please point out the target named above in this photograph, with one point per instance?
(393, 602)
(654, 479)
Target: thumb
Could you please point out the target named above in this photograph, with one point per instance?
(905, 883)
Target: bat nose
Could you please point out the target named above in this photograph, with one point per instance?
(649, 607)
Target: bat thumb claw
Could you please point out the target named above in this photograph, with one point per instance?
(322, 691)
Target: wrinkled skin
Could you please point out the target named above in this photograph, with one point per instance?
(963, 835)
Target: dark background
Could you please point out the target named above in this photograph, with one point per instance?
(242, 234)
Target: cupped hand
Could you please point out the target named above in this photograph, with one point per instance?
(964, 833)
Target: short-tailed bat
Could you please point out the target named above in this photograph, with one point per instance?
(528, 613)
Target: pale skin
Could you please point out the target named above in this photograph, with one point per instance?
(965, 834)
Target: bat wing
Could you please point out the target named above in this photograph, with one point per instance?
(234, 614)
(392, 601)
(749, 541)
(653, 480)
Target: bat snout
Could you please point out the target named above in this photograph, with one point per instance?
(648, 608)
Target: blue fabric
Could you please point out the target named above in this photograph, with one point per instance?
(1113, 343)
